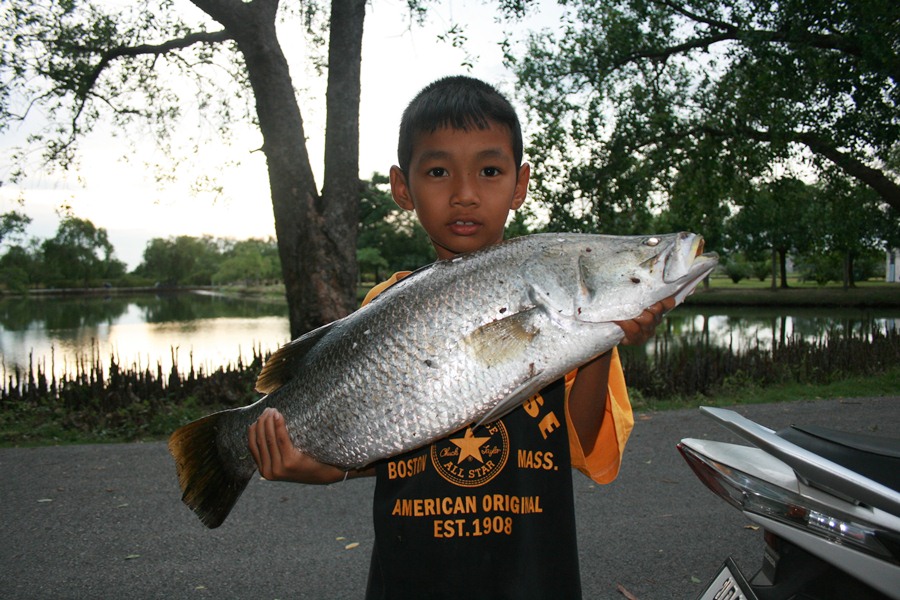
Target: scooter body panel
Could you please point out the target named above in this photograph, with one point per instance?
(844, 527)
(879, 574)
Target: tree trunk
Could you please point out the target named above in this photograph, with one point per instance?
(782, 258)
(848, 271)
(316, 233)
(342, 189)
(774, 267)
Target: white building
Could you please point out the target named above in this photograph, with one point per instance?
(892, 266)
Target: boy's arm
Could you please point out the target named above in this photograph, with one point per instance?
(587, 404)
(588, 399)
(279, 460)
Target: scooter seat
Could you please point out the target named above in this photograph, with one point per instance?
(875, 457)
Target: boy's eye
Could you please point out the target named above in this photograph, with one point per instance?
(437, 172)
(490, 171)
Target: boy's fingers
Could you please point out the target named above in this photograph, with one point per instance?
(285, 445)
(271, 440)
(258, 441)
(251, 443)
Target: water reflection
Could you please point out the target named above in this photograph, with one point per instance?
(67, 312)
(203, 330)
(742, 328)
(211, 330)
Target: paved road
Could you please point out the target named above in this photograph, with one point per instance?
(105, 521)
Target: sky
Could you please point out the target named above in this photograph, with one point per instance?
(124, 197)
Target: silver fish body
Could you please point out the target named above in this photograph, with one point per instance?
(459, 342)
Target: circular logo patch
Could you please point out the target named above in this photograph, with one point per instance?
(472, 457)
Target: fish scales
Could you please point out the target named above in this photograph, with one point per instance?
(456, 343)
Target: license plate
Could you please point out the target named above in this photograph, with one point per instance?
(728, 584)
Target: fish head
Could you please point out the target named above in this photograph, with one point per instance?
(598, 279)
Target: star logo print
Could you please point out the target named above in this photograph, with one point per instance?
(469, 445)
(473, 458)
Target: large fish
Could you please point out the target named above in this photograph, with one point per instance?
(461, 341)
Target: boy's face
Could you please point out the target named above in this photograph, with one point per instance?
(462, 185)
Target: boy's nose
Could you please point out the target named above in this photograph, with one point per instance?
(464, 192)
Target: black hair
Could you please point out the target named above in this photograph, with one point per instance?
(458, 102)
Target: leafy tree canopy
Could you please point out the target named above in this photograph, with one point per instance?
(635, 103)
(13, 224)
(77, 63)
(79, 253)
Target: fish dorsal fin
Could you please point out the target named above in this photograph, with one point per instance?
(504, 339)
(283, 365)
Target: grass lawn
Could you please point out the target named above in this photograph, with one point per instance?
(867, 294)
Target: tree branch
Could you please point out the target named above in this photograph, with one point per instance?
(106, 58)
(698, 18)
(735, 32)
(665, 53)
(876, 179)
(199, 37)
(884, 186)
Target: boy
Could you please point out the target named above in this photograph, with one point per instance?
(486, 512)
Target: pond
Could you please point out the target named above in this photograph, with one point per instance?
(210, 330)
(200, 329)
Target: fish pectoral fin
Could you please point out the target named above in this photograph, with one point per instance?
(503, 339)
(283, 365)
(513, 399)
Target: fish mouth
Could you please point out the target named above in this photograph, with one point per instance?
(686, 265)
(681, 257)
(702, 267)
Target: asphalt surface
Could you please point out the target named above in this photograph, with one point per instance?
(105, 521)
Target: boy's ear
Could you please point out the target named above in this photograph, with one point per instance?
(521, 186)
(400, 189)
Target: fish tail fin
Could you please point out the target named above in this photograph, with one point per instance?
(208, 487)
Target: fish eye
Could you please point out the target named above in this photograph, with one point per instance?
(654, 241)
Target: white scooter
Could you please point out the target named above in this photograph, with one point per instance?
(827, 500)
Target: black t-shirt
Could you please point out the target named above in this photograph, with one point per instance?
(484, 513)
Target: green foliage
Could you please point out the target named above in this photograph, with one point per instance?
(12, 225)
(851, 223)
(182, 260)
(372, 262)
(79, 63)
(80, 254)
(688, 108)
(250, 261)
(389, 239)
(113, 403)
(689, 370)
(736, 268)
(829, 266)
(17, 265)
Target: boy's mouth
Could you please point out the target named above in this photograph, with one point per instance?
(463, 227)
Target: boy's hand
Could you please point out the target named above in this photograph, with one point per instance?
(279, 460)
(641, 328)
